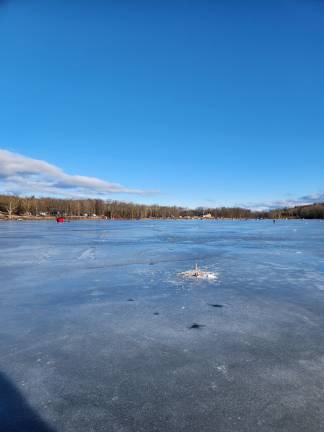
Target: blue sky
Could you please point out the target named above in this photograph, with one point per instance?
(181, 102)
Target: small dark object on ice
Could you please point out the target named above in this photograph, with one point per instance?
(156, 313)
(151, 263)
(215, 305)
(130, 299)
(196, 326)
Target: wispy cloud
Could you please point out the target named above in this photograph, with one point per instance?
(23, 175)
(290, 202)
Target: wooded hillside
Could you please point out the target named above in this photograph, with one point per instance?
(11, 205)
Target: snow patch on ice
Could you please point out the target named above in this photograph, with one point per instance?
(197, 273)
(88, 254)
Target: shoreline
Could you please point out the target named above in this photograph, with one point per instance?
(102, 218)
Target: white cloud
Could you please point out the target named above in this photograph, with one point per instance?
(23, 175)
(303, 200)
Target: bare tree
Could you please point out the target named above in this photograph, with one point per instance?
(11, 205)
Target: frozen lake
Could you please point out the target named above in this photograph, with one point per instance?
(95, 324)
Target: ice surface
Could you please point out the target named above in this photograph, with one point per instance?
(78, 354)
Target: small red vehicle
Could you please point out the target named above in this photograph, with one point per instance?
(60, 219)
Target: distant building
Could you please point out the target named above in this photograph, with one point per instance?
(207, 216)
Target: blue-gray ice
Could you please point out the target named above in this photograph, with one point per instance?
(95, 324)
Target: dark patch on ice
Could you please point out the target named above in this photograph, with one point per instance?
(197, 326)
(130, 299)
(16, 415)
(215, 305)
(156, 313)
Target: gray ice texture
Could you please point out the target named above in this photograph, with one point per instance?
(98, 326)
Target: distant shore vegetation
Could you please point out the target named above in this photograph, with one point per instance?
(13, 207)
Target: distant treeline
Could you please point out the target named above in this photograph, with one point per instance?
(11, 205)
